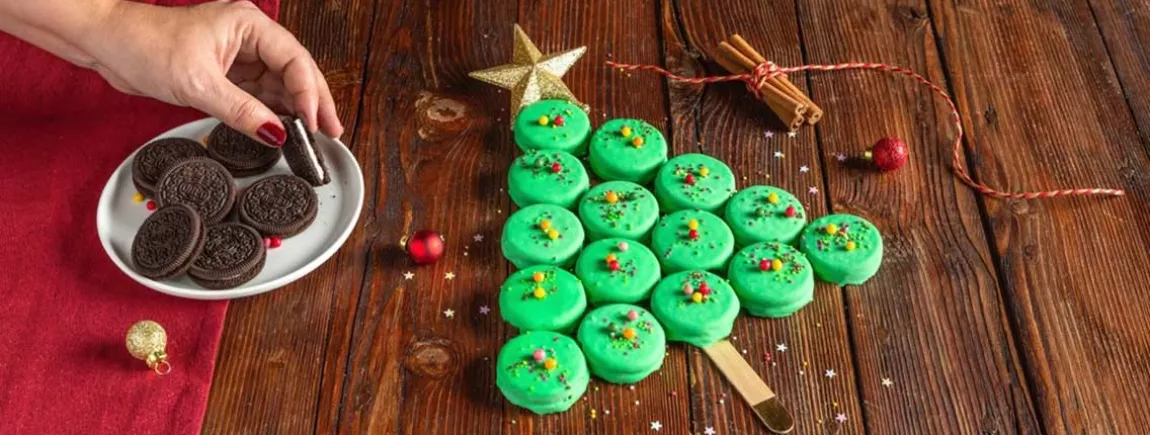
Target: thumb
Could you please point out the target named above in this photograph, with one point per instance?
(241, 111)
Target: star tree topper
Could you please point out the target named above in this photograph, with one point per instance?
(531, 76)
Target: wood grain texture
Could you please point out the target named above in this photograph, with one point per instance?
(1125, 27)
(1043, 108)
(279, 351)
(731, 125)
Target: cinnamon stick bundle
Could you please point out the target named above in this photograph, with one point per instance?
(792, 106)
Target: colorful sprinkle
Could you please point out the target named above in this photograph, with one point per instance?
(637, 142)
(611, 257)
(138, 197)
(687, 288)
(550, 364)
(765, 265)
(612, 197)
(791, 212)
(693, 224)
(539, 293)
(629, 333)
(544, 120)
(538, 277)
(559, 121)
(623, 246)
(632, 315)
(689, 179)
(275, 242)
(832, 229)
(553, 234)
(625, 131)
(703, 171)
(776, 265)
(545, 225)
(851, 245)
(697, 297)
(773, 198)
(151, 205)
(693, 234)
(556, 167)
(613, 266)
(540, 355)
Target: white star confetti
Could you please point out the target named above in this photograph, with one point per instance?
(841, 157)
(449, 276)
(804, 169)
(656, 426)
(744, 351)
(813, 190)
(484, 310)
(781, 347)
(709, 431)
(408, 276)
(477, 238)
(830, 373)
(779, 154)
(792, 134)
(886, 382)
(449, 313)
(768, 134)
(841, 418)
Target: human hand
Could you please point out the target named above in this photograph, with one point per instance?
(225, 58)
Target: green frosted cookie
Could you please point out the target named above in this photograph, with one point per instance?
(542, 371)
(618, 209)
(695, 307)
(542, 298)
(557, 125)
(692, 239)
(623, 343)
(547, 177)
(694, 181)
(765, 214)
(542, 234)
(843, 249)
(772, 279)
(627, 150)
(617, 270)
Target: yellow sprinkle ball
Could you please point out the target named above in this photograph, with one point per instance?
(851, 245)
(553, 234)
(550, 363)
(773, 198)
(629, 333)
(539, 293)
(612, 197)
(138, 197)
(538, 277)
(545, 225)
(692, 224)
(625, 131)
(697, 297)
(776, 265)
(832, 229)
(611, 257)
(544, 120)
(703, 171)
(637, 142)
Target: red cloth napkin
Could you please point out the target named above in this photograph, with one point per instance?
(64, 306)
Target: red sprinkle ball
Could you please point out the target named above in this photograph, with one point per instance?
(791, 211)
(613, 265)
(632, 315)
(693, 234)
(556, 167)
(272, 242)
(559, 121)
(151, 205)
(765, 265)
(704, 288)
(690, 179)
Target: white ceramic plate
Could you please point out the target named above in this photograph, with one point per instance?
(118, 217)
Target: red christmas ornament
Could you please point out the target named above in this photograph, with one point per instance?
(888, 154)
(765, 265)
(559, 121)
(556, 167)
(790, 212)
(424, 247)
(693, 234)
(690, 179)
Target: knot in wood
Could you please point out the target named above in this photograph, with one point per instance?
(441, 117)
(433, 358)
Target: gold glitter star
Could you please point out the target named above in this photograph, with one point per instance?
(532, 76)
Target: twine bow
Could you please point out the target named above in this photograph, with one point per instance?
(768, 70)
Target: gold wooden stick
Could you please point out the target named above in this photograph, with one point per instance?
(749, 385)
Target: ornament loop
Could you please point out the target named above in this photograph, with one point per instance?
(162, 368)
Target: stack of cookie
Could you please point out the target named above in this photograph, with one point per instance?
(203, 225)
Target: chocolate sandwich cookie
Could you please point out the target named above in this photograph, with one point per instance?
(241, 155)
(303, 155)
(200, 183)
(168, 242)
(159, 155)
(280, 205)
(233, 254)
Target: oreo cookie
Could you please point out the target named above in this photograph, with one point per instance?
(302, 155)
(159, 155)
(233, 254)
(200, 183)
(241, 155)
(279, 205)
(168, 242)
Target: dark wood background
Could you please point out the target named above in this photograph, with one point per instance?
(990, 317)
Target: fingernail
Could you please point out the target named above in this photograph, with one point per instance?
(273, 134)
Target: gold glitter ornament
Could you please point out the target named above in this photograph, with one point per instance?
(147, 341)
(532, 76)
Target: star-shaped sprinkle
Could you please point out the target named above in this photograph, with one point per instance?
(813, 190)
(408, 275)
(886, 382)
(830, 373)
(781, 347)
(477, 238)
(779, 154)
(792, 134)
(449, 313)
(768, 134)
(804, 169)
(841, 157)
(449, 276)
(656, 426)
(841, 418)
(484, 310)
(709, 431)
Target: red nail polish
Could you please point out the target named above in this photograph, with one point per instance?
(273, 134)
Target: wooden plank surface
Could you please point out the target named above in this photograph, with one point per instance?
(1043, 108)
(279, 357)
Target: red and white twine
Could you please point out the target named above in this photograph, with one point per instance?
(767, 70)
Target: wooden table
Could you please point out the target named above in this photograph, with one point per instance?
(988, 316)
